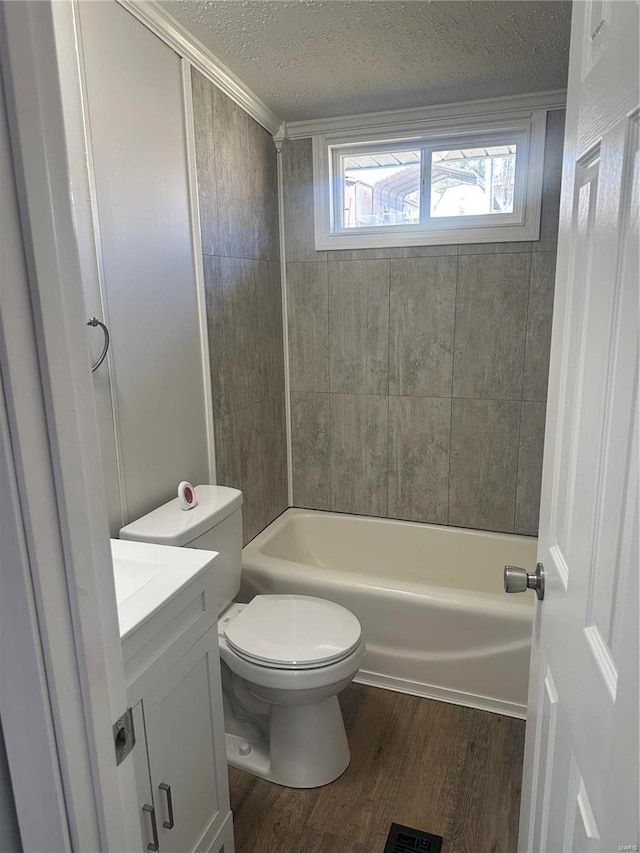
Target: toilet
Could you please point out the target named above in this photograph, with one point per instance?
(284, 658)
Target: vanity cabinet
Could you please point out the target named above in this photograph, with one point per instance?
(182, 783)
(167, 608)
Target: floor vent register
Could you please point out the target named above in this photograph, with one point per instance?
(404, 839)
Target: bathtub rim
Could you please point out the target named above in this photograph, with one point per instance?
(254, 558)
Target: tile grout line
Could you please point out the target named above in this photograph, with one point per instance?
(435, 397)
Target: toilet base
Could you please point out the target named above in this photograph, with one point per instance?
(307, 746)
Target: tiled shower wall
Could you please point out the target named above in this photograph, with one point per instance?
(238, 196)
(419, 375)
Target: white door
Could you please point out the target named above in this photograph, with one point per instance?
(61, 672)
(580, 787)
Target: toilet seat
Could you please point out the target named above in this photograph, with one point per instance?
(293, 632)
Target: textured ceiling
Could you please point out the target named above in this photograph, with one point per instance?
(316, 58)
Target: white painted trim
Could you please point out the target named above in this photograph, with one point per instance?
(430, 691)
(198, 264)
(25, 708)
(164, 25)
(529, 128)
(57, 453)
(279, 140)
(26, 711)
(389, 120)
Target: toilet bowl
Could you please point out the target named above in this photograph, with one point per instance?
(284, 658)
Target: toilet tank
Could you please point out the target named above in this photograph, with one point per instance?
(215, 524)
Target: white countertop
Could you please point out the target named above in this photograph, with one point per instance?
(148, 576)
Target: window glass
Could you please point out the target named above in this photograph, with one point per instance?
(381, 188)
(473, 181)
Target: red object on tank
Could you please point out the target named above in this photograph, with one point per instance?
(188, 495)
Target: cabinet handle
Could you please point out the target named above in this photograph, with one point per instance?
(154, 827)
(168, 824)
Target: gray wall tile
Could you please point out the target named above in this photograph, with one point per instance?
(203, 120)
(250, 451)
(230, 286)
(551, 181)
(539, 316)
(494, 248)
(269, 328)
(274, 456)
(423, 251)
(238, 196)
(491, 316)
(297, 169)
(419, 430)
(391, 252)
(231, 141)
(310, 447)
(263, 183)
(235, 436)
(251, 456)
(358, 254)
(484, 463)
(237, 178)
(530, 467)
(422, 306)
(359, 436)
(308, 311)
(224, 432)
(359, 326)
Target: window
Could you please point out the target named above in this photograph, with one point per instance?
(473, 181)
(477, 184)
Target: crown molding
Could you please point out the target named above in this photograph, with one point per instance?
(164, 25)
(404, 119)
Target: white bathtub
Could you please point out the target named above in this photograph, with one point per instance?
(435, 618)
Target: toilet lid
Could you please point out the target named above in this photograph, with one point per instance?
(293, 632)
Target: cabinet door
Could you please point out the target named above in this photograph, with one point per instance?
(185, 739)
(155, 429)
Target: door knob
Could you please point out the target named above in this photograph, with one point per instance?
(519, 580)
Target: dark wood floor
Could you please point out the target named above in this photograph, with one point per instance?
(442, 768)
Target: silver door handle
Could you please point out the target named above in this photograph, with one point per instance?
(168, 824)
(154, 827)
(520, 580)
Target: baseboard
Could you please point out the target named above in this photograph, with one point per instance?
(440, 694)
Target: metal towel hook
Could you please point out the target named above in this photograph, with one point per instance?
(93, 321)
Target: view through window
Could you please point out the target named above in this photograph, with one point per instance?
(382, 188)
(385, 188)
(473, 181)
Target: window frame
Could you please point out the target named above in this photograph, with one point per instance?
(527, 132)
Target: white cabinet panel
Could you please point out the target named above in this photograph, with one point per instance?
(186, 751)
